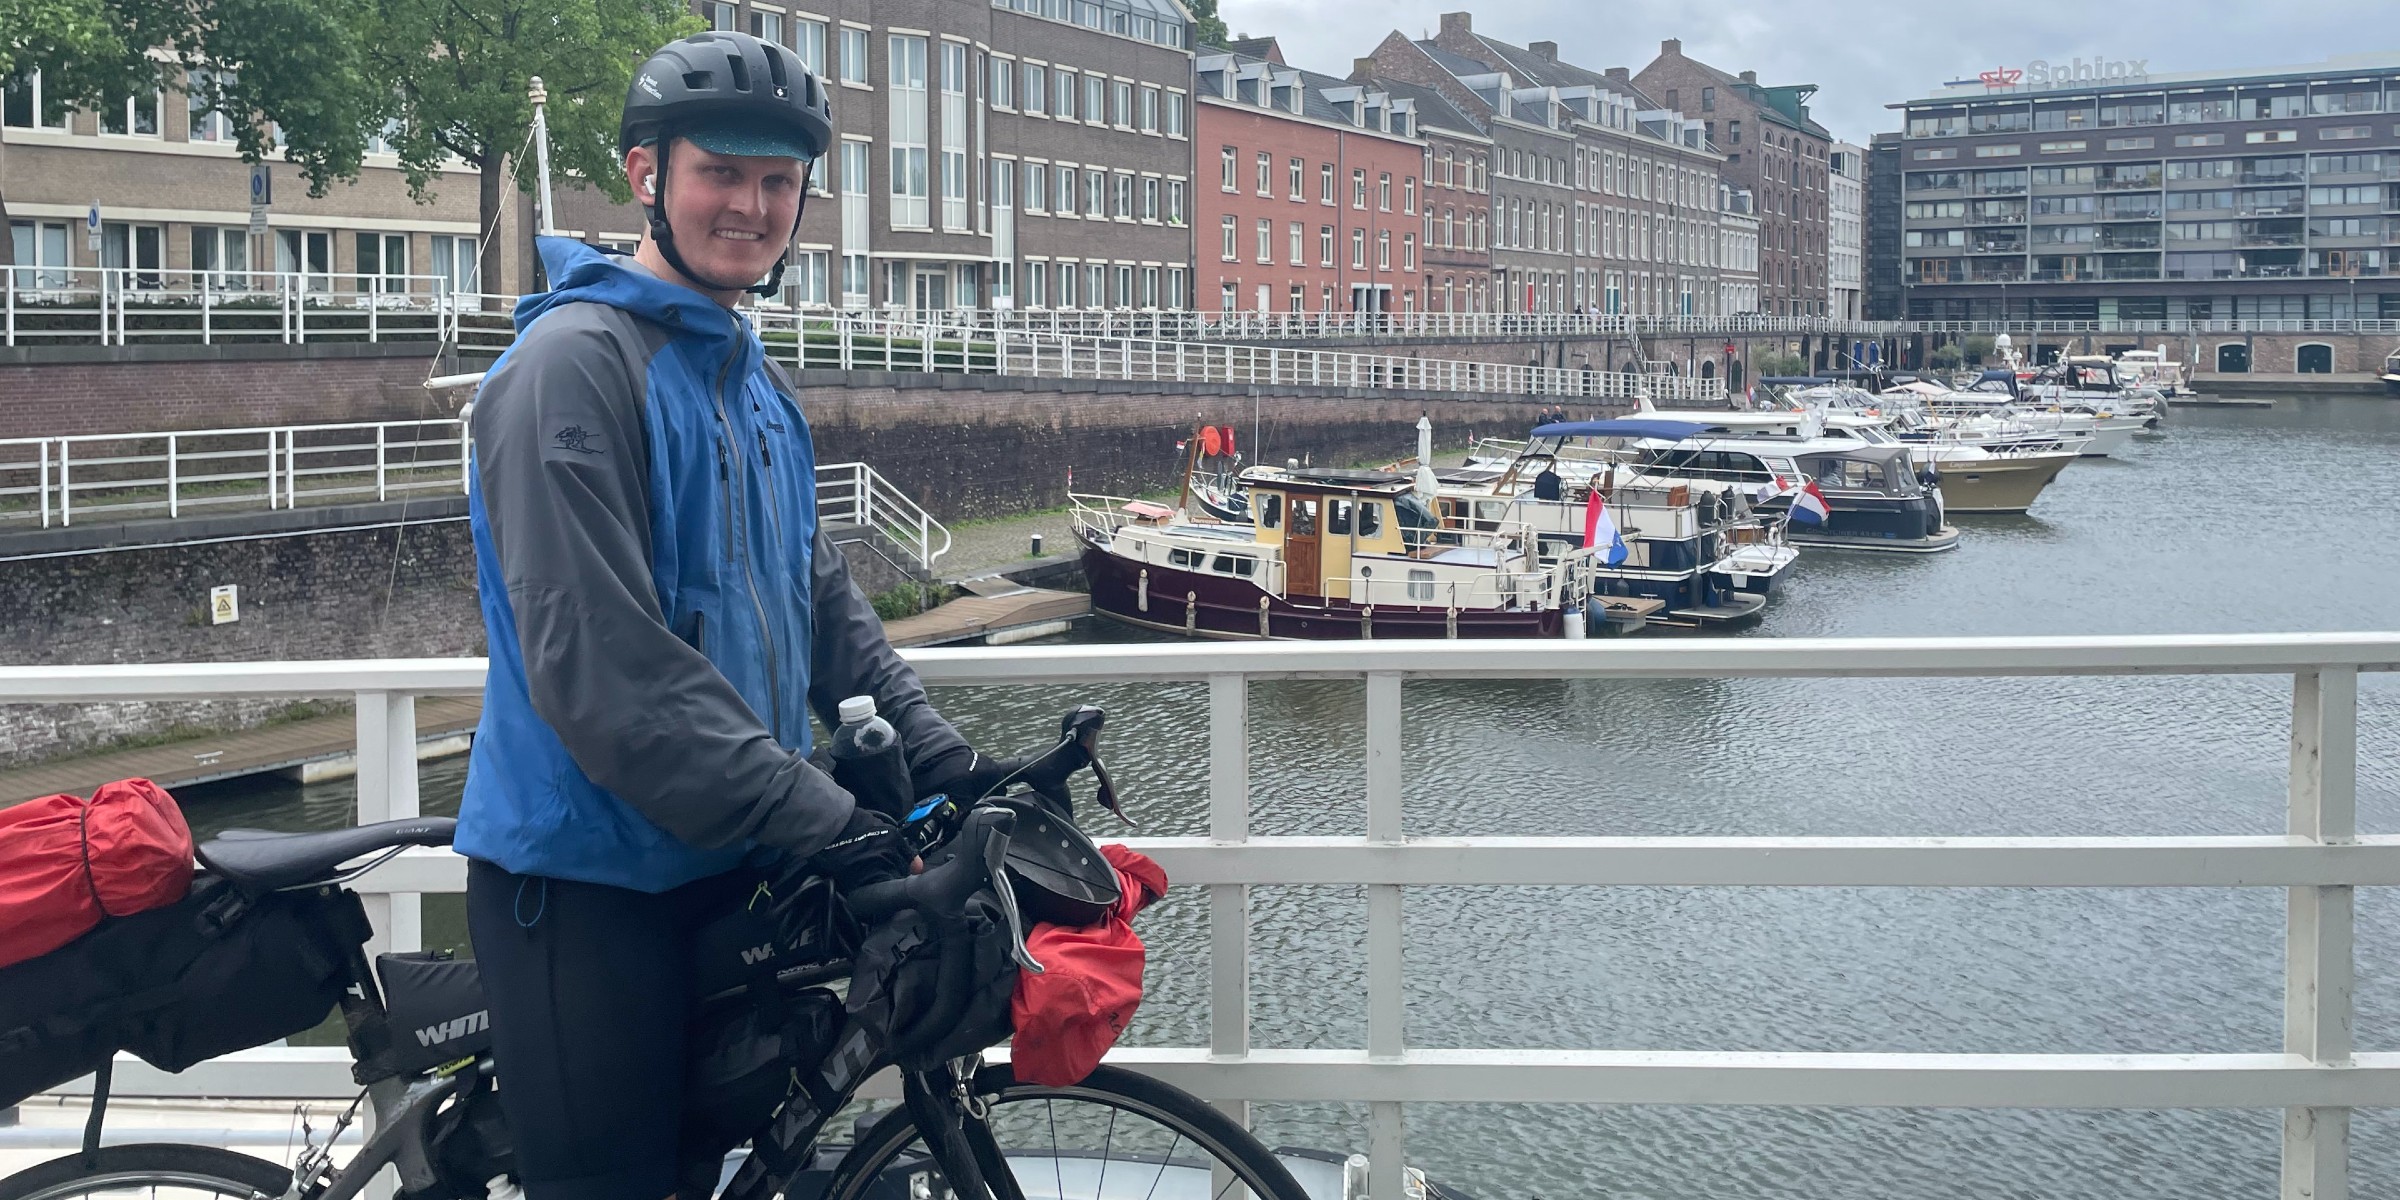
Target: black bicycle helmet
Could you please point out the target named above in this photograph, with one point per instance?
(733, 94)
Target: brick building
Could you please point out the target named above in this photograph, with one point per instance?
(1599, 197)
(1024, 153)
(1773, 149)
(1456, 205)
(1313, 205)
(174, 201)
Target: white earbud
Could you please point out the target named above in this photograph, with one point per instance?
(650, 186)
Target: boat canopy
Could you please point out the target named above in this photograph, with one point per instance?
(1798, 380)
(1622, 427)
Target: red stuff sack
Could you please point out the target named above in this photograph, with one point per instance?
(66, 863)
(1069, 1015)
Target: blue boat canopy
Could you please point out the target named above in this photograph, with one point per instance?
(1798, 380)
(1997, 373)
(1622, 427)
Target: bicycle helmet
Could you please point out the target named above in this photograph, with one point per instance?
(728, 93)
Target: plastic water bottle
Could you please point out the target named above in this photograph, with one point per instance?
(868, 761)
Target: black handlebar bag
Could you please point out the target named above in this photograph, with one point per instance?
(931, 990)
(210, 974)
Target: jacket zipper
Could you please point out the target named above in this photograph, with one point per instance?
(766, 635)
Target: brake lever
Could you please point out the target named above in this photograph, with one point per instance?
(1082, 726)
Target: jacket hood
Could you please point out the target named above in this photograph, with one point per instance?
(581, 273)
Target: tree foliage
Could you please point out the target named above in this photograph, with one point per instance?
(1208, 29)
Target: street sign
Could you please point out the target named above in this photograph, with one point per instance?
(91, 227)
(262, 194)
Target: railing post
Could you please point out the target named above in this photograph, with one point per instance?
(172, 509)
(42, 451)
(1386, 971)
(1229, 903)
(2318, 966)
(66, 488)
(387, 791)
(380, 493)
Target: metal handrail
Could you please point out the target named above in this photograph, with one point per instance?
(2319, 861)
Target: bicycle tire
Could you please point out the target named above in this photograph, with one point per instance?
(1172, 1108)
(116, 1167)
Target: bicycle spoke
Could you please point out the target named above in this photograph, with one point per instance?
(1106, 1140)
(1164, 1159)
(1058, 1170)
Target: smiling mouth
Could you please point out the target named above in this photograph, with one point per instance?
(737, 235)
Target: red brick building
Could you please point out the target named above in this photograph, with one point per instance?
(1308, 190)
(1455, 201)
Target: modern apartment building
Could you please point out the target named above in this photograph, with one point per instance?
(2100, 190)
(1314, 205)
(1600, 198)
(173, 202)
(1845, 231)
(1884, 294)
(1013, 154)
(1773, 149)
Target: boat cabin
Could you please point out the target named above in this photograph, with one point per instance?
(1327, 525)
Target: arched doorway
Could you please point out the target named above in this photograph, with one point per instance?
(1708, 368)
(2233, 358)
(2314, 358)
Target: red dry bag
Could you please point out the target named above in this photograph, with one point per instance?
(1068, 1016)
(67, 862)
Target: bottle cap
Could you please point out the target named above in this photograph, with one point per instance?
(857, 708)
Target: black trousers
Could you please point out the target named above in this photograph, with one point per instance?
(589, 988)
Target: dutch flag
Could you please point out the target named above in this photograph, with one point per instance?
(1601, 533)
(1808, 503)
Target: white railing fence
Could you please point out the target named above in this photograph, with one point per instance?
(124, 306)
(2316, 1079)
(57, 481)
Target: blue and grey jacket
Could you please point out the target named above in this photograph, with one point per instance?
(662, 608)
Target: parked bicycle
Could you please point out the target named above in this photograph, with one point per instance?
(965, 1129)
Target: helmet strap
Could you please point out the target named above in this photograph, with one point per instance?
(655, 211)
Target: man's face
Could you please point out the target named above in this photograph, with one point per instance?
(730, 213)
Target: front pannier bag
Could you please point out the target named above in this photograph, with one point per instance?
(210, 974)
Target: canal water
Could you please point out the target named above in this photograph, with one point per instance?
(2228, 521)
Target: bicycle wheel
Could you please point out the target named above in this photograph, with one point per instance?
(1115, 1136)
(150, 1170)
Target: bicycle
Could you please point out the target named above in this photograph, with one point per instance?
(964, 1130)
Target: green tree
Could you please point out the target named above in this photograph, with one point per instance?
(456, 72)
(276, 69)
(1208, 29)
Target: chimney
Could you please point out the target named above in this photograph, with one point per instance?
(1457, 24)
(1362, 70)
(1749, 77)
(1670, 47)
(1619, 75)
(1546, 51)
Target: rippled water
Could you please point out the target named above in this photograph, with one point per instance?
(2230, 521)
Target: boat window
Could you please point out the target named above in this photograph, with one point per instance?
(1235, 564)
(1270, 509)
(1489, 513)
(1184, 558)
(1304, 517)
(1370, 519)
(1337, 516)
(1420, 584)
(1850, 473)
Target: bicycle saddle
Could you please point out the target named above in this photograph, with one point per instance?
(257, 860)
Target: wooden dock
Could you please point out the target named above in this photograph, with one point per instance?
(293, 745)
(1006, 614)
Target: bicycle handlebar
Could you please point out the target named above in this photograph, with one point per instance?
(942, 890)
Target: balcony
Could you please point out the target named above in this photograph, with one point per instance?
(2292, 209)
(2133, 214)
(2016, 218)
(2270, 178)
(1996, 247)
(2146, 183)
(2248, 240)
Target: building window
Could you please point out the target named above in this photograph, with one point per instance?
(1266, 240)
(1095, 192)
(1175, 292)
(808, 38)
(724, 18)
(1037, 89)
(1325, 183)
(206, 123)
(854, 188)
(2344, 133)
(1225, 169)
(906, 78)
(1150, 187)
(954, 136)
(1175, 202)
(134, 116)
(1123, 187)
(2009, 150)
(854, 55)
(1065, 109)
(1120, 108)
(1298, 240)
(454, 263)
(1095, 100)
(1358, 188)
(1066, 206)
(1408, 252)
(1149, 121)
(1358, 249)
(1037, 187)
(1383, 193)
(24, 106)
(1324, 245)
(1174, 128)
(2124, 143)
(382, 262)
(766, 26)
(1265, 168)
(1226, 226)
(1408, 195)
(222, 257)
(2257, 137)
(1037, 284)
(1298, 170)
(806, 284)
(1003, 75)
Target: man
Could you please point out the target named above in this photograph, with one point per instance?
(663, 613)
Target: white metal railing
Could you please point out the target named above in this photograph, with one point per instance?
(128, 476)
(55, 481)
(124, 306)
(2316, 1079)
(857, 494)
(877, 342)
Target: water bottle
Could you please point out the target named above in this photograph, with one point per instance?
(868, 761)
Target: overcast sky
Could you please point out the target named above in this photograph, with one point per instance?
(1864, 55)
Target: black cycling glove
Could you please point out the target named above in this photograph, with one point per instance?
(868, 850)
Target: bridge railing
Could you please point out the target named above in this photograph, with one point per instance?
(2316, 1079)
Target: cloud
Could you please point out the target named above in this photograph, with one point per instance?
(1863, 56)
